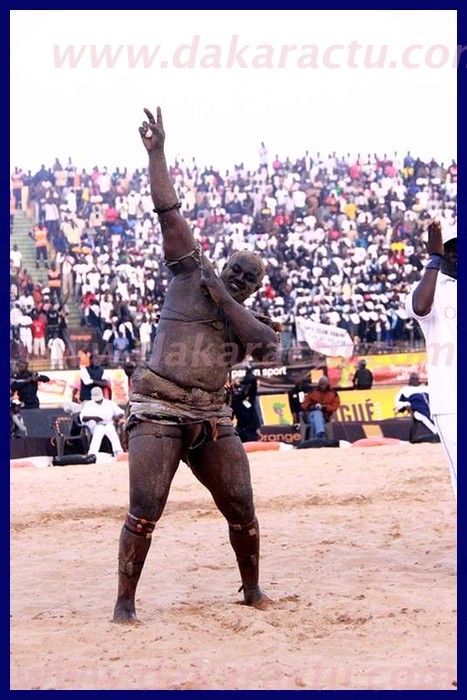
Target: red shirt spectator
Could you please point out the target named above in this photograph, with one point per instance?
(38, 330)
(111, 215)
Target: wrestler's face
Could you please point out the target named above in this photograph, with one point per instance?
(242, 276)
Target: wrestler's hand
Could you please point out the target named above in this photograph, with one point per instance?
(435, 239)
(152, 132)
(211, 283)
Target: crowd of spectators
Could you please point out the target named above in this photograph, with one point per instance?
(341, 239)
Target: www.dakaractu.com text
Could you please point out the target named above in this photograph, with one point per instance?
(237, 54)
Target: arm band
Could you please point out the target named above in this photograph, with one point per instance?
(163, 210)
(434, 262)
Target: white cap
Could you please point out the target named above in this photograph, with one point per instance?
(448, 233)
(97, 393)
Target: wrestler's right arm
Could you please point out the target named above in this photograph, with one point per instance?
(178, 238)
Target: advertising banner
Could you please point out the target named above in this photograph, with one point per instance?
(362, 405)
(59, 389)
(275, 409)
(358, 405)
(366, 405)
(282, 377)
(386, 369)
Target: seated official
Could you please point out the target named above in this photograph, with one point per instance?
(318, 408)
(99, 415)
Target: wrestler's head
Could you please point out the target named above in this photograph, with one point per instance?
(242, 274)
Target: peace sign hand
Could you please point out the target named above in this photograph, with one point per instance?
(152, 132)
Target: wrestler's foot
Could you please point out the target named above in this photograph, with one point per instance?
(255, 598)
(125, 612)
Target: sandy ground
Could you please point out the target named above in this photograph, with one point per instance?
(358, 551)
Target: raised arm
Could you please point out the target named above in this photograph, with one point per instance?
(178, 238)
(424, 293)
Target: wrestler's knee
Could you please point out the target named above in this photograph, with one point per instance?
(238, 510)
(250, 529)
(141, 527)
(145, 505)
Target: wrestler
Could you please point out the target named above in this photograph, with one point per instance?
(177, 409)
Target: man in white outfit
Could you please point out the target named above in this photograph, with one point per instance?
(56, 346)
(433, 302)
(99, 415)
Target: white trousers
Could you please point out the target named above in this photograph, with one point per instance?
(38, 347)
(100, 430)
(447, 431)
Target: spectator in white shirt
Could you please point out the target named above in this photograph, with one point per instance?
(57, 351)
(145, 332)
(16, 258)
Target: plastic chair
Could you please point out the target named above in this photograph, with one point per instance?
(68, 431)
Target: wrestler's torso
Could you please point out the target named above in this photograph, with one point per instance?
(194, 346)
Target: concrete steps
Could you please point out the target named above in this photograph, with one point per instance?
(22, 225)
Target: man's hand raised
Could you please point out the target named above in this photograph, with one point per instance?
(152, 132)
(435, 239)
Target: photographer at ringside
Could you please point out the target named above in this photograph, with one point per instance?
(17, 426)
(26, 383)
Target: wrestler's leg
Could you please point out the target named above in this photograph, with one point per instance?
(222, 466)
(153, 461)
